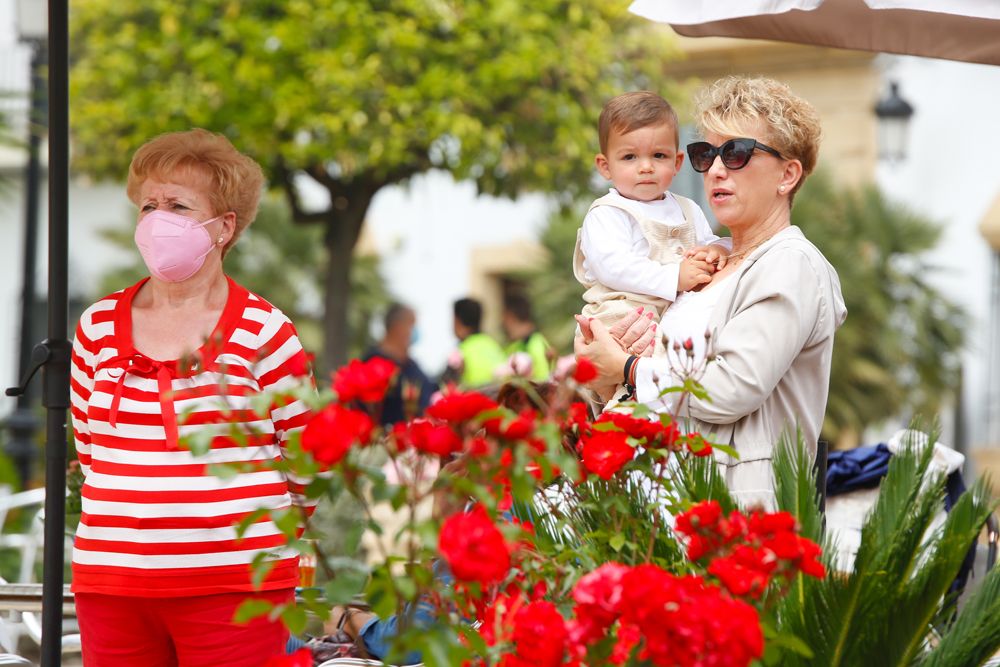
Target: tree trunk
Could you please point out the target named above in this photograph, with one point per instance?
(343, 227)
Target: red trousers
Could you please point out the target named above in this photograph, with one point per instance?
(119, 631)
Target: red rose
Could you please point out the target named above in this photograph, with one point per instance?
(697, 445)
(428, 437)
(799, 553)
(498, 617)
(684, 621)
(770, 523)
(708, 531)
(540, 634)
(598, 596)
(332, 432)
(480, 446)
(585, 370)
(301, 658)
(640, 429)
(703, 516)
(605, 452)
(811, 566)
(746, 572)
(628, 637)
(474, 548)
(458, 407)
(365, 381)
(518, 427)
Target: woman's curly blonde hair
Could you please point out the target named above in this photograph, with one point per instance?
(234, 181)
(734, 104)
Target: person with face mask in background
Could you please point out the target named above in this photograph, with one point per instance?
(158, 568)
(410, 393)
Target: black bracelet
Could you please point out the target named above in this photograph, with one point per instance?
(627, 373)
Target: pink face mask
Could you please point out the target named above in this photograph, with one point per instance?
(173, 246)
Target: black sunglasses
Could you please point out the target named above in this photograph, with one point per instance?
(735, 153)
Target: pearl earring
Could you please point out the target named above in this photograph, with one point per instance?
(220, 240)
(781, 188)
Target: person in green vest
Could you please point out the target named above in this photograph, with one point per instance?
(481, 355)
(526, 341)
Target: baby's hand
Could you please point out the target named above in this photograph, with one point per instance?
(694, 271)
(716, 255)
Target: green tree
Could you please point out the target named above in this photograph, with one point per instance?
(354, 96)
(284, 263)
(898, 353)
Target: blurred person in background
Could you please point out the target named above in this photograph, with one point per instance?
(528, 352)
(479, 357)
(410, 393)
(158, 569)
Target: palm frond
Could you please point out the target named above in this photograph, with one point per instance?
(921, 596)
(880, 613)
(795, 486)
(975, 635)
(699, 479)
(796, 493)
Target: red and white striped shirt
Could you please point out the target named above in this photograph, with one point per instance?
(156, 522)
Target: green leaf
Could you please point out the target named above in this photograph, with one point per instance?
(726, 449)
(345, 586)
(294, 618)
(617, 542)
(252, 608)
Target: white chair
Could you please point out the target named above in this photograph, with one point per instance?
(15, 624)
(11, 659)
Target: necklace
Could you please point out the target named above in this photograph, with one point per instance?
(743, 253)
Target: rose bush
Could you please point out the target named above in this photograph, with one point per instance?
(554, 530)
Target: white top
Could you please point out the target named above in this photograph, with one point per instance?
(616, 253)
(687, 317)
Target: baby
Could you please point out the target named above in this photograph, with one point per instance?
(641, 245)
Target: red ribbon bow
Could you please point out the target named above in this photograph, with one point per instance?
(143, 366)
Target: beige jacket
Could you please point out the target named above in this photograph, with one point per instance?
(773, 330)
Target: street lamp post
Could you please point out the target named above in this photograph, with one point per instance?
(894, 115)
(23, 424)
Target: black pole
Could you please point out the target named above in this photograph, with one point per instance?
(55, 378)
(22, 423)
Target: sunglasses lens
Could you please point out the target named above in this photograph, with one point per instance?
(701, 154)
(736, 153)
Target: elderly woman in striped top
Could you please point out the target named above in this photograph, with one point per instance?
(157, 567)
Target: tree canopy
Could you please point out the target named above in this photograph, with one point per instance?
(354, 96)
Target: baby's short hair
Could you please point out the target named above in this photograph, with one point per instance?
(633, 111)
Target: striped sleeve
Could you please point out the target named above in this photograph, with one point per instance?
(81, 384)
(279, 368)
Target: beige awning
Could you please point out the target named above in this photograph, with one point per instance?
(967, 30)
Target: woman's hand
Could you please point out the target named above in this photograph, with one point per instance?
(606, 353)
(636, 332)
